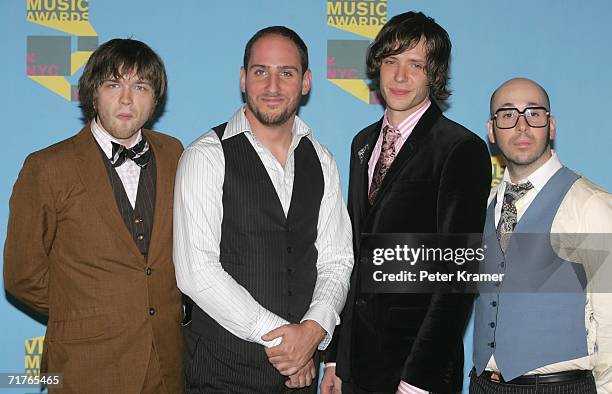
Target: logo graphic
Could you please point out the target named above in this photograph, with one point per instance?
(51, 60)
(33, 355)
(346, 58)
(497, 167)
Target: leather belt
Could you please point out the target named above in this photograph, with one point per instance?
(558, 377)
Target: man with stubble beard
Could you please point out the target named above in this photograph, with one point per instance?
(263, 239)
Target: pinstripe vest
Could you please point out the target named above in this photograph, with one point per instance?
(522, 328)
(274, 258)
(139, 220)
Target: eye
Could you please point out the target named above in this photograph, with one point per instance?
(416, 66)
(286, 73)
(111, 85)
(388, 61)
(259, 72)
(141, 88)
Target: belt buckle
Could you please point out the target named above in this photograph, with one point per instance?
(495, 377)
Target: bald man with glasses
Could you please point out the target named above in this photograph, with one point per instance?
(547, 328)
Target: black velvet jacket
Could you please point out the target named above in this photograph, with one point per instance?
(438, 183)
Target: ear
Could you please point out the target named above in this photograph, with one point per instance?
(490, 131)
(243, 79)
(553, 128)
(306, 81)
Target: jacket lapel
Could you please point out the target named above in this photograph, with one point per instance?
(410, 147)
(364, 153)
(95, 178)
(163, 194)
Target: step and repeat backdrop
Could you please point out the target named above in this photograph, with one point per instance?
(565, 46)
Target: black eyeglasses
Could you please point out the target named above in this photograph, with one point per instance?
(507, 118)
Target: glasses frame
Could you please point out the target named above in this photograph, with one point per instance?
(521, 113)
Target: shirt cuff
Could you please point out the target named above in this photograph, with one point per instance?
(267, 322)
(330, 364)
(405, 388)
(326, 318)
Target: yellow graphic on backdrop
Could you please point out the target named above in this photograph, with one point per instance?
(50, 59)
(362, 17)
(497, 169)
(33, 355)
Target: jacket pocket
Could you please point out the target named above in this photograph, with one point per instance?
(77, 329)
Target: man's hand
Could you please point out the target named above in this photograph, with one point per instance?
(303, 377)
(296, 349)
(330, 384)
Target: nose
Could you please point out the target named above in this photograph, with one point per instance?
(126, 96)
(522, 123)
(401, 73)
(273, 82)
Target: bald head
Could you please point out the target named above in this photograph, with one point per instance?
(519, 90)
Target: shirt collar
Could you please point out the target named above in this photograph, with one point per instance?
(239, 123)
(541, 176)
(409, 122)
(104, 139)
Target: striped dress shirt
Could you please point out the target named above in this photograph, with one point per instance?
(198, 214)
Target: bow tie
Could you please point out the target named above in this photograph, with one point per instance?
(139, 154)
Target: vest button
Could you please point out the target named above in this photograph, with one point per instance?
(493, 304)
(492, 324)
(140, 237)
(360, 302)
(289, 271)
(290, 293)
(491, 344)
(137, 220)
(148, 271)
(289, 249)
(502, 264)
(151, 311)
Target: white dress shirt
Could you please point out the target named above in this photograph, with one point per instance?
(585, 209)
(198, 213)
(128, 171)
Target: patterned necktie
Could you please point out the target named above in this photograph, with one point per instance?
(139, 153)
(387, 154)
(507, 221)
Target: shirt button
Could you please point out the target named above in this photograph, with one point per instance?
(140, 237)
(289, 249)
(360, 302)
(491, 344)
(290, 271)
(290, 293)
(148, 271)
(138, 220)
(492, 324)
(493, 304)
(151, 311)
(502, 264)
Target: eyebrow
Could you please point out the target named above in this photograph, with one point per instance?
(529, 104)
(286, 67)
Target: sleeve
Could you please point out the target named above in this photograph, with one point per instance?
(331, 353)
(198, 213)
(595, 253)
(462, 195)
(30, 235)
(335, 254)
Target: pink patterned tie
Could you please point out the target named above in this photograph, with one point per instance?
(387, 154)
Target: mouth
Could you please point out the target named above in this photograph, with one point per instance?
(522, 143)
(125, 116)
(399, 92)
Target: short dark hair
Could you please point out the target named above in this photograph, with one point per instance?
(281, 31)
(116, 58)
(403, 32)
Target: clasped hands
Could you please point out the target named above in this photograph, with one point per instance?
(293, 356)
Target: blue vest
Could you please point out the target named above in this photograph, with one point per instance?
(536, 316)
